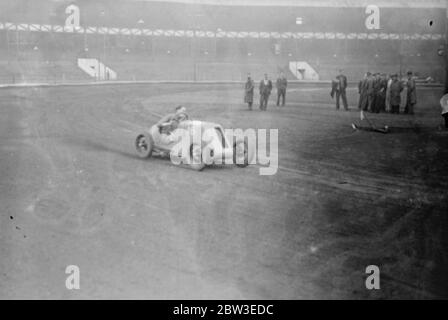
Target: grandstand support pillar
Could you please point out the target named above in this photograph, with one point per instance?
(17, 41)
(104, 47)
(152, 47)
(193, 49)
(400, 56)
(296, 47)
(7, 44)
(446, 47)
(85, 40)
(214, 47)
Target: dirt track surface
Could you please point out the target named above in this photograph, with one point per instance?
(72, 191)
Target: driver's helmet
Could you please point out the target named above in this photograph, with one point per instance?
(181, 116)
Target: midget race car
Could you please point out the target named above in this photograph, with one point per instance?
(196, 144)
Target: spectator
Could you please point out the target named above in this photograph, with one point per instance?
(411, 97)
(370, 87)
(388, 106)
(396, 88)
(444, 105)
(281, 85)
(376, 93)
(334, 87)
(249, 92)
(362, 90)
(265, 92)
(381, 93)
(341, 90)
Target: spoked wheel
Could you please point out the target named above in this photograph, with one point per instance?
(144, 145)
(196, 162)
(241, 154)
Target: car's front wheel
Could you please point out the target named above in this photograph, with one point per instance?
(144, 145)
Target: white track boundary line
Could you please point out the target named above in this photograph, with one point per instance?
(129, 82)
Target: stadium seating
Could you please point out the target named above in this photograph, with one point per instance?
(52, 57)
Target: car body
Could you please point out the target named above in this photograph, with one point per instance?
(195, 143)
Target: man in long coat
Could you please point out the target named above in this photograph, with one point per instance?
(411, 96)
(380, 101)
(370, 91)
(376, 92)
(265, 92)
(396, 88)
(341, 90)
(362, 90)
(281, 85)
(388, 106)
(249, 92)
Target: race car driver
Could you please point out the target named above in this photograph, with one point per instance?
(170, 122)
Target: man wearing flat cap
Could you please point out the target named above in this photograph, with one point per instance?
(395, 94)
(411, 96)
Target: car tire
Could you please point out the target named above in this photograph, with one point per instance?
(241, 149)
(144, 144)
(195, 157)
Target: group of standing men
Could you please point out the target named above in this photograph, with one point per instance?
(382, 93)
(265, 88)
(377, 92)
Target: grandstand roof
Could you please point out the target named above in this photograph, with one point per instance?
(318, 3)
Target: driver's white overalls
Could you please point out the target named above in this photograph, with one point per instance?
(168, 124)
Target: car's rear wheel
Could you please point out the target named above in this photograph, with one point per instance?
(196, 162)
(144, 145)
(241, 154)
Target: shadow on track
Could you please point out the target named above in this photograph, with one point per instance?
(96, 146)
(90, 145)
(396, 130)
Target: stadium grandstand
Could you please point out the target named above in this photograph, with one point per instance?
(59, 41)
